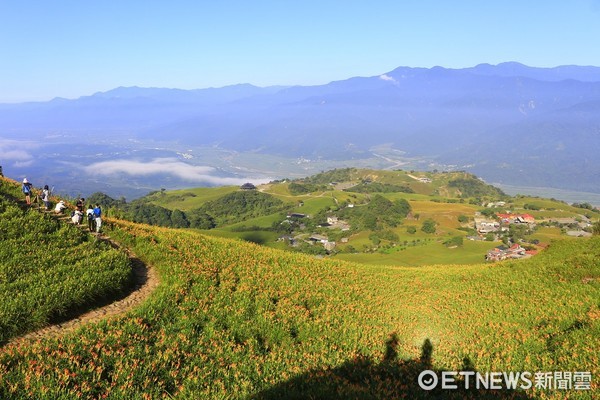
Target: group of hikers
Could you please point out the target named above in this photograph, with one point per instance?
(92, 213)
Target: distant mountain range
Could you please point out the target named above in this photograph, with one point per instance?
(508, 123)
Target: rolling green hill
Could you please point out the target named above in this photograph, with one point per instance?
(368, 232)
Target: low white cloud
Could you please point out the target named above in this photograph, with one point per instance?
(388, 78)
(165, 166)
(13, 154)
(17, 151)
(22, 164)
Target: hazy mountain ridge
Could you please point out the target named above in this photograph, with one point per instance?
(509, 123)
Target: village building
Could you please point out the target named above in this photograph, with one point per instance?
(248, 186)
(317, 238)
(525, 219)
(509, 218)
(296, 215)
(503, 253)
(582, 222)
(484, 226)
(334, 222)
(329, 246)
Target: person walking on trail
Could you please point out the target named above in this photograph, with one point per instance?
(91, 218)
(80, 204)
(98, 217)
(76, 217)
(46, 197)
(27, 189)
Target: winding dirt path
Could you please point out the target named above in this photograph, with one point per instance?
(145, 281)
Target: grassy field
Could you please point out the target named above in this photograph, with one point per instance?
(188, 199)
(428, 253)
(237, 320)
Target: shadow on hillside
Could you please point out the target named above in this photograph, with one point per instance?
(254, 238)
(392, 378)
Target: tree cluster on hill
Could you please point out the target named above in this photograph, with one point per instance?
(232, 207)
(454, 241)
(296, 188)
(429, 226)
(105, 200)
(242, 205)
(470, 186)
(533, 207)
(152, 214)
(377, 187)
(586, 206)
(335, 175)
(378, 214)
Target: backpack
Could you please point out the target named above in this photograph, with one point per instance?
(90, 216)
(26, 189)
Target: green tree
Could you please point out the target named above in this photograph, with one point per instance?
(201, 220)
(428, 226)
(488, 212)
(179, 220)
(454, 241)
(375, 239)
(517, 232)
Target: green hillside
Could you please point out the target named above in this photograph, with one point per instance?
(237, 320)
(49, 270)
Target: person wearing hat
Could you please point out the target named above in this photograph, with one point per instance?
(27, 188)
(60, 207)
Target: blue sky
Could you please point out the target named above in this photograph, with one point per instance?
(74, 48)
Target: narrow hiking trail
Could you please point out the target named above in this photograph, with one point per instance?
(145, 281)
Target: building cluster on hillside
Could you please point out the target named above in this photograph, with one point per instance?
(324, 240)
(333, 222)
(485, 226)
(422, 179)
(510, 218)
(513, 252)
(576, 227)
